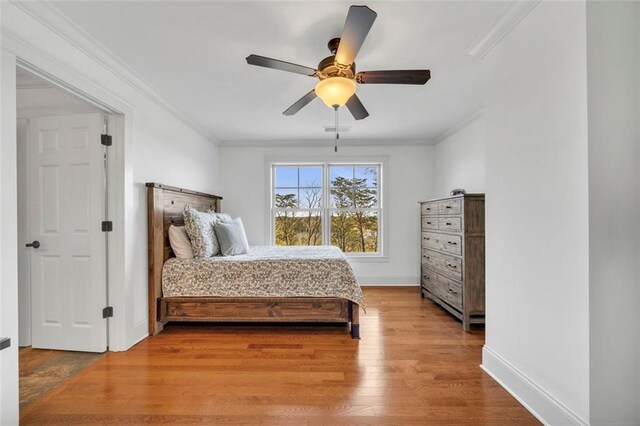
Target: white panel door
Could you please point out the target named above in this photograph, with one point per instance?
(66, 208)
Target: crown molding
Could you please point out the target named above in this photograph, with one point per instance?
(52, 18)
(458, 126)
(513, 14)
(329, 142)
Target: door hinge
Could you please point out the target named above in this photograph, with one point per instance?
(107, 226)
(107, 312)
(106, 140)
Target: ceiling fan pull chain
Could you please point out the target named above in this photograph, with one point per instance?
(335, 147)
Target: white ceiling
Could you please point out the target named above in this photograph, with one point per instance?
(194, 53)
(37, 97)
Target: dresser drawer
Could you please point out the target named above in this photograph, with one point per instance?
(444, 288)
(442, 242)
(449, 266)
(429, 280)
(429, 209)
(449, 291)
(450, 224)
(429, 223)
(448, 207)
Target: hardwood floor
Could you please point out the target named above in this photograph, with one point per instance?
(413, 366)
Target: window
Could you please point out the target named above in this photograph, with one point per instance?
(327, 204)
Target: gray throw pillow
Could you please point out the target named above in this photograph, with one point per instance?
(223, 217)
(232, 238)
(199, 227)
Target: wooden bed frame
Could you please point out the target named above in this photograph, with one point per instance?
(164, 207)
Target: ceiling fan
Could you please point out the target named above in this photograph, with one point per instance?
(337, 73)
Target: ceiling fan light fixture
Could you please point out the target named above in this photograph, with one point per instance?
(335, 91)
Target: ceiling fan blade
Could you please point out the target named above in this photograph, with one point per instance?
(356, 27)
(263, 61)
(394, 77)
(301, 103)
(356, 108)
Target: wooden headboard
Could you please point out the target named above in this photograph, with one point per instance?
(164, 208)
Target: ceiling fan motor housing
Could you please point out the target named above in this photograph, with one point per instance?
(329, 68)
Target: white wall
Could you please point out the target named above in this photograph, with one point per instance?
(537, 224)
(159, 147)
(408, 178)
(460, 159)
(8, 242)
(613, 53)
(166, 151)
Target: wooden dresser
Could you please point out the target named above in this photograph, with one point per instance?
(452, 255)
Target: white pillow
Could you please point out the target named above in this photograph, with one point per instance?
(180, 243)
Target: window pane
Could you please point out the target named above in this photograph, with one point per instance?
(310, 176)
(364, 198)
(342, 197)
(355, 232)
(310, 198)
(366, 176)
(286, 176)
(341, 175)
(286, 198)
(298, 228)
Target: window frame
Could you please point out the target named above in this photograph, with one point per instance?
(326, 210)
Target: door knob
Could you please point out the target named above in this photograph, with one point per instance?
(34, 244)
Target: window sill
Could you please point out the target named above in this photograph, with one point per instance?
(367, 259)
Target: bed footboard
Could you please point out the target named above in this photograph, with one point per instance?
(257, 309)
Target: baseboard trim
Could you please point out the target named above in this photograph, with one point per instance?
(140, 332)
(539, 402)
(388, 280)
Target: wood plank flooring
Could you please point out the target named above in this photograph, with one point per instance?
(413, 366)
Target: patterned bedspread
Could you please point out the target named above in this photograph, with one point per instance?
(266, 271)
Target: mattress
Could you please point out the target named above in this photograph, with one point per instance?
(265, 271)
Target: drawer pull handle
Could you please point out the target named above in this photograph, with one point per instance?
(428, 223)
(451, 266)
(447, 207)
(428, 208)
(448, 223)
(427, 257)
(451, 242)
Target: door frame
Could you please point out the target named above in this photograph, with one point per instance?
(116, 122)
(119, 176)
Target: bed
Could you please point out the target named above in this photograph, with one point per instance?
(269, 284)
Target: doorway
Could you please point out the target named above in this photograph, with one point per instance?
(61, 205)
(62, 239)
